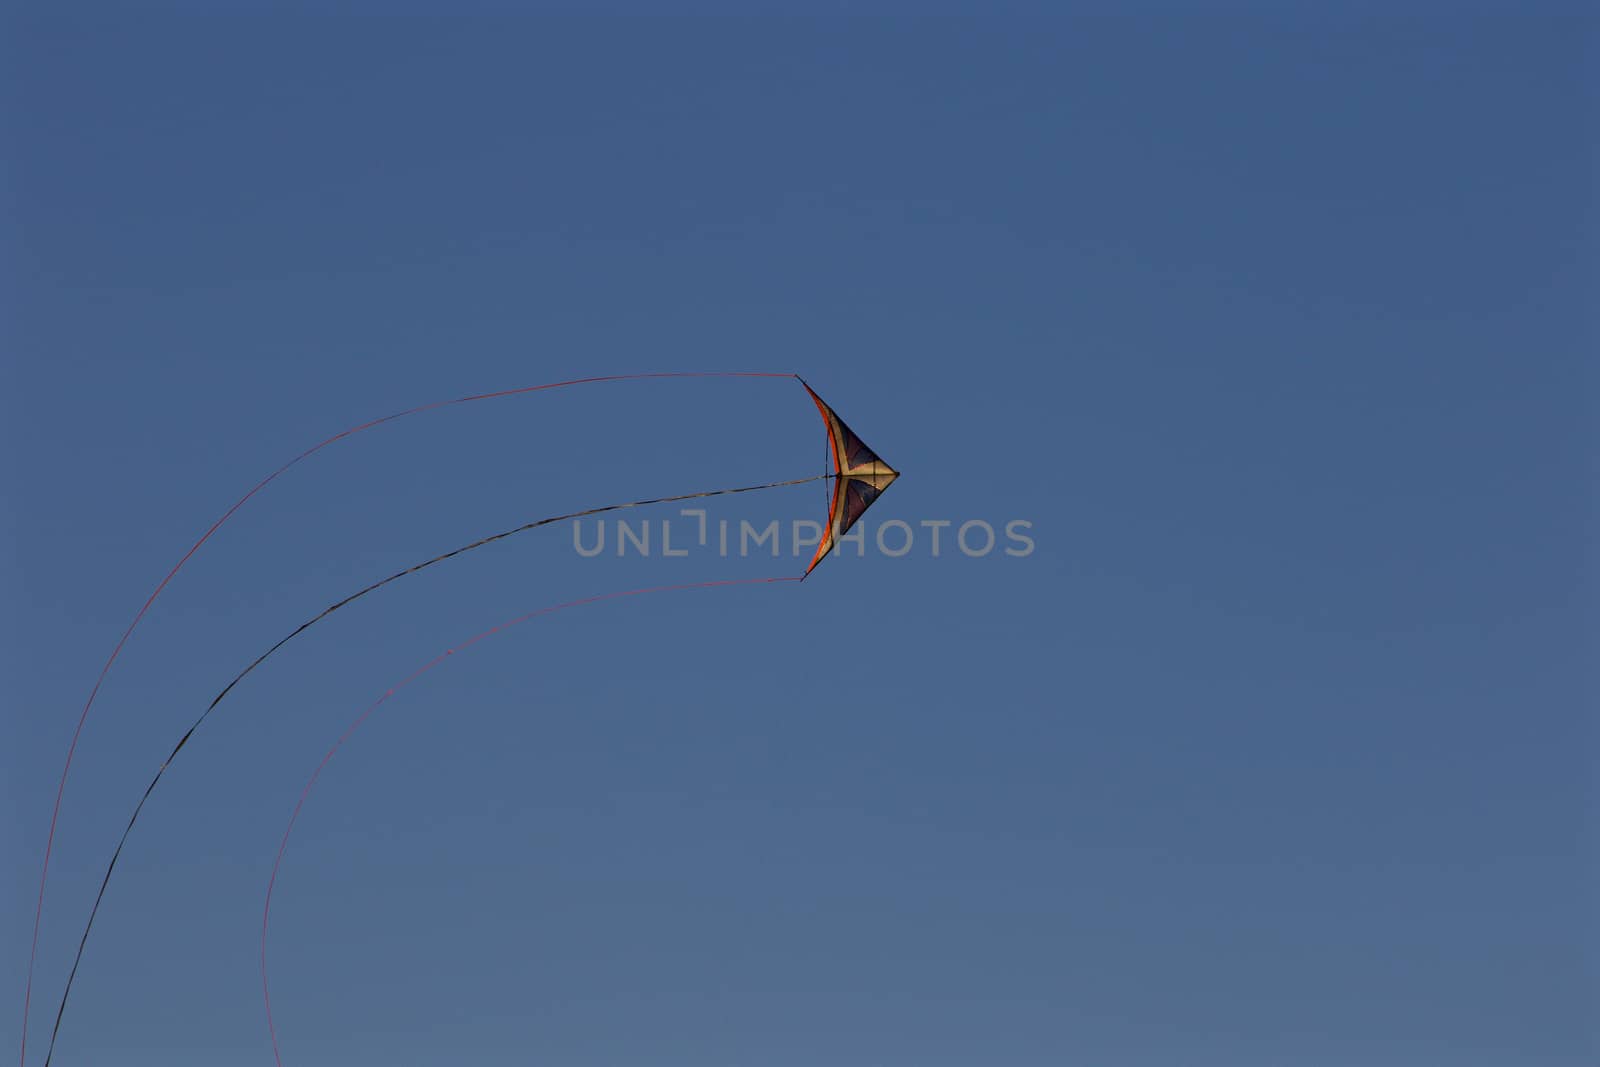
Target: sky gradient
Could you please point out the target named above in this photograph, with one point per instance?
(1277, 748)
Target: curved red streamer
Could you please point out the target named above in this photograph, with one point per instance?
(55, 812)
(266, 910)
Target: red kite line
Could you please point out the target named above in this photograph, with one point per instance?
(859, 475)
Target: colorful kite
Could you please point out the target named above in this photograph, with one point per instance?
(859, 476)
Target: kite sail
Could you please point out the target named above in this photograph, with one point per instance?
(859, 476)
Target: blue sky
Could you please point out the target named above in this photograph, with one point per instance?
(1278, 331)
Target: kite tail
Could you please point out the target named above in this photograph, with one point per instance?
(302, 628)
(94, 692)
(283, 844)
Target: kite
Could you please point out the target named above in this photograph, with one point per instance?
(858, 474)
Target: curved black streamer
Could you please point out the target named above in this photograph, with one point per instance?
(330, 609)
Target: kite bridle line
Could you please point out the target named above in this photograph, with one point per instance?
(105, 669)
